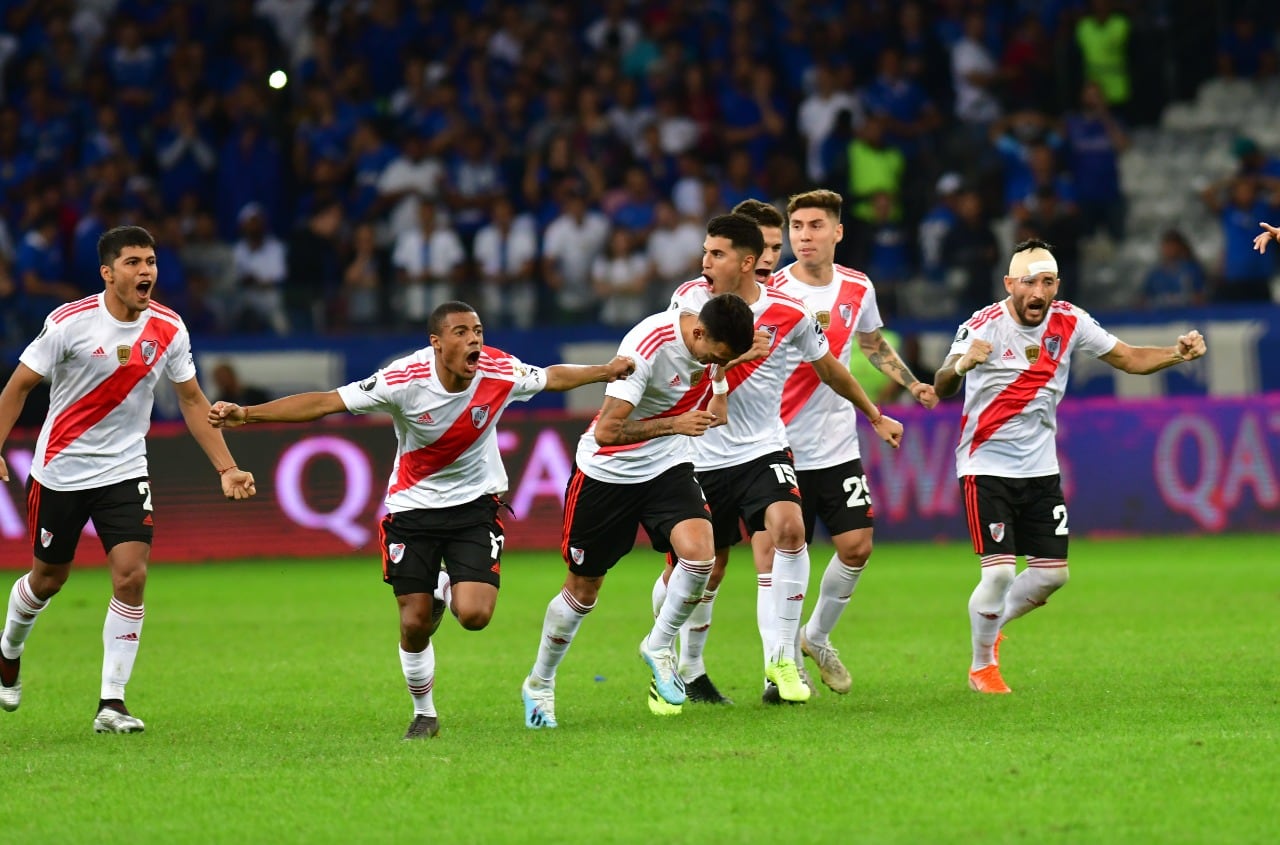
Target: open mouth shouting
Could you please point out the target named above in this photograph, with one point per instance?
(472, 359)
(143, 289)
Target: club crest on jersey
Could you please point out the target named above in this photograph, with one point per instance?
(122, 354)
(824, 319)
(997, 531)
(577, 555)
(149, 349)
(46, 537)
(846, 313)
(479, 415)
(1053, 345)
(773, 333)
(395, 551)
(1033, 354)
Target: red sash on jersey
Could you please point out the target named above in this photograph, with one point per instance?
(783, 317)
(804, 381)
(1010, 401)
(486, 404)
(94, 406)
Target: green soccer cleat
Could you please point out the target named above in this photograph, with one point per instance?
(786, 677)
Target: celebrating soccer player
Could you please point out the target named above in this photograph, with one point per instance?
(103, 355)
(1014, 357)
(443, 498)
(632, 471)
(745, 468)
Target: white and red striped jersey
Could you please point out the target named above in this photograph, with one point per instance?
(446, 449)
(822, 424)
(1011, 401)
(103, 376)
(668, 381)
(755, 388)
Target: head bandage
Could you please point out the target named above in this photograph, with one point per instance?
(1033, 263)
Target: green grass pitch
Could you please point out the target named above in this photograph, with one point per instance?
(1146, 709)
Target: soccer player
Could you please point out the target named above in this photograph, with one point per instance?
(821, 426)
(103, 356)
(1016, 355)
(744, 467)
(444, 494)
(631, 471)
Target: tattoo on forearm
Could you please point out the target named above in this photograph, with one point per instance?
(888, 362)
(636, 431)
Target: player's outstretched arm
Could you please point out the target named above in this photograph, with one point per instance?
(887, 360)
(615, 428)
(12, 400)
(949, 377)
(562, 377)
(839, 379)
(236, 483)
(1144, 360)
(300, 407)
(1271, 233)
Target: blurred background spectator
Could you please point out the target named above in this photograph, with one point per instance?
(330, 166)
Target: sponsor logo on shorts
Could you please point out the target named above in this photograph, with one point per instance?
(46, 537)
(997, 531)
(395, 551)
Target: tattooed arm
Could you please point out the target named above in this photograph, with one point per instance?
(887, 361)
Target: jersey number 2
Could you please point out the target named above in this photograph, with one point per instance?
(144, 487)
(1060, 514)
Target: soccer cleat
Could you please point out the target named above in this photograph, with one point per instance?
(807, 679)
(662, 663)
(701, 689)
(10, 686)
(539, 706)
(770, 695)
(786, 677)
(988, 680)
(833, 673)
(422, 727)
(995, 649)
(114, 718)
(659, 706)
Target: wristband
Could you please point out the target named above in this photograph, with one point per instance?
(228, 469)
(959, 371)
(720, 388)
(879, 416)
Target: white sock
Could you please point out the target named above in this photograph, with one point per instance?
(1031, 589)
(659, 594)
(684, 595)
(420, 677)
(444, 592)
(120, 633)
(564, 616)
(766, 621)
(24, 607)
(838, 583)
(790, 577)
(986, 605)
(693, 637)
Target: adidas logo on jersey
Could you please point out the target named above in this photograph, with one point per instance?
(1008, 355)
(99, 353)
(675, 381)
(426, 417)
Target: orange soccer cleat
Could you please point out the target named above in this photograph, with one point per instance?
(988, 680)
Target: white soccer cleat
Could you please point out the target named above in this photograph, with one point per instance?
(833, 672)
(662, 664)
(10, 685)
(539, 706)
(115, 719)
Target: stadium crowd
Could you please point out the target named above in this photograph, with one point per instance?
(331, 165)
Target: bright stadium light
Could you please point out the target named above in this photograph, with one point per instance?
(278, 79)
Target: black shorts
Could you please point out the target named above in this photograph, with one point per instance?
(121, 513)
(601, 517)
(1016, 516)
(838, 495)
(744, 493)
(467, 537)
